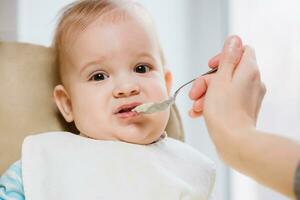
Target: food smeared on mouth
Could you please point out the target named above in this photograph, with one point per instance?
(127, 110)
(142, 108)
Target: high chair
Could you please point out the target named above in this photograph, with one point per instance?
(28, 74)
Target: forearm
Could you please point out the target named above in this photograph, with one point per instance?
(230, 102)
(270, 159)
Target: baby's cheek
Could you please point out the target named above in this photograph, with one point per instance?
(162, 119)
(159, 89)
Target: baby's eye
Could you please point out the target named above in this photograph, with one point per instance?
(99, 77)
(142, 68)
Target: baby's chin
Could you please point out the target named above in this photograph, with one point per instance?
(142, 135)
(145, 141)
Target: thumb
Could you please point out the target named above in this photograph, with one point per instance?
(230, 57)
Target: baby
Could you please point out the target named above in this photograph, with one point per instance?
(110, 62)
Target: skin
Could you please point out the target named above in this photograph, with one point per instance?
(230, 101)
(116, 61)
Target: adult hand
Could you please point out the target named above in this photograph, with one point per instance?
(230, 101)
(231, 97)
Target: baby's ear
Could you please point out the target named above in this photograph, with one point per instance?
(168, 80)
(63, 102)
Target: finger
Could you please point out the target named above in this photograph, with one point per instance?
(198, 89)
(248, 68)
(200, 86)
(230, 57)
(194, 114)
(198, 105)
(214, 62)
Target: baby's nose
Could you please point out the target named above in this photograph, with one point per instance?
(126, 90)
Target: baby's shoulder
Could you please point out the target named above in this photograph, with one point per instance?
(48, 136)
(11, 184)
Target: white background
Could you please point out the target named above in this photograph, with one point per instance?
(273, 29)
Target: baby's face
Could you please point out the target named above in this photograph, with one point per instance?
(116, 66)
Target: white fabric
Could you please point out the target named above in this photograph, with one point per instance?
(61, 165)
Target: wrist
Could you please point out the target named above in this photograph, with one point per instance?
(231, 144)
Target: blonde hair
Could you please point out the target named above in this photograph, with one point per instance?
(76, 17)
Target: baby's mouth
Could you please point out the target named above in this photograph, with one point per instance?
(126, 110)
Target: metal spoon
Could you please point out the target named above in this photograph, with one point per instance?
(149, 108)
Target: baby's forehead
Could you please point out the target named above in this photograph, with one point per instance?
(112, 14)
(123, 13)
(116, 15)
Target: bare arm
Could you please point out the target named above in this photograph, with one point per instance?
(230, 101)
(269, 159)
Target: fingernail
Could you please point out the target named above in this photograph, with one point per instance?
(232, 42)
(191, 113)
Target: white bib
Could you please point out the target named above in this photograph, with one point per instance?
(64, 166)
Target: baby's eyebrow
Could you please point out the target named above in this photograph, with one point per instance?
(145, 54)
(91, 63)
